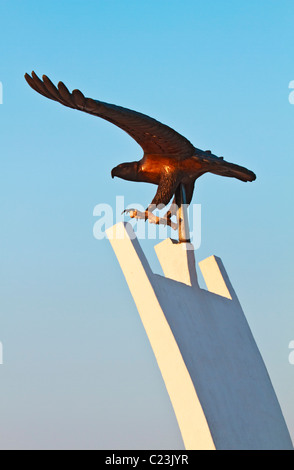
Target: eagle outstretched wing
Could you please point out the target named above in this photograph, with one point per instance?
(153, 136)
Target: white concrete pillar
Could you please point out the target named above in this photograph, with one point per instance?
(216, 379)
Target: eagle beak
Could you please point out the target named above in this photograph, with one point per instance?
(115, 171)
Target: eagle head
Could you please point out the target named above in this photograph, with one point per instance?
(126, 171)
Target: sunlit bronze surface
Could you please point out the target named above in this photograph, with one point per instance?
(169, 159)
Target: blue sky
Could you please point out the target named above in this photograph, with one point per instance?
(78, 369)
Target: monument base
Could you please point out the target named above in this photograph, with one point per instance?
(214, 374)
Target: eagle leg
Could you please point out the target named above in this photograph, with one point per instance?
(173, 210)
(166, 189)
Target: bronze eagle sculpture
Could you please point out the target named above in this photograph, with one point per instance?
(170, 161)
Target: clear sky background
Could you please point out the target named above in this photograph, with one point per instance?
(78, 370)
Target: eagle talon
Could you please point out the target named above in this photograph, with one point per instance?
(133, 213)
(152, 219)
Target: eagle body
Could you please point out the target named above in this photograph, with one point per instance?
(169, 159)
(152, 166)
